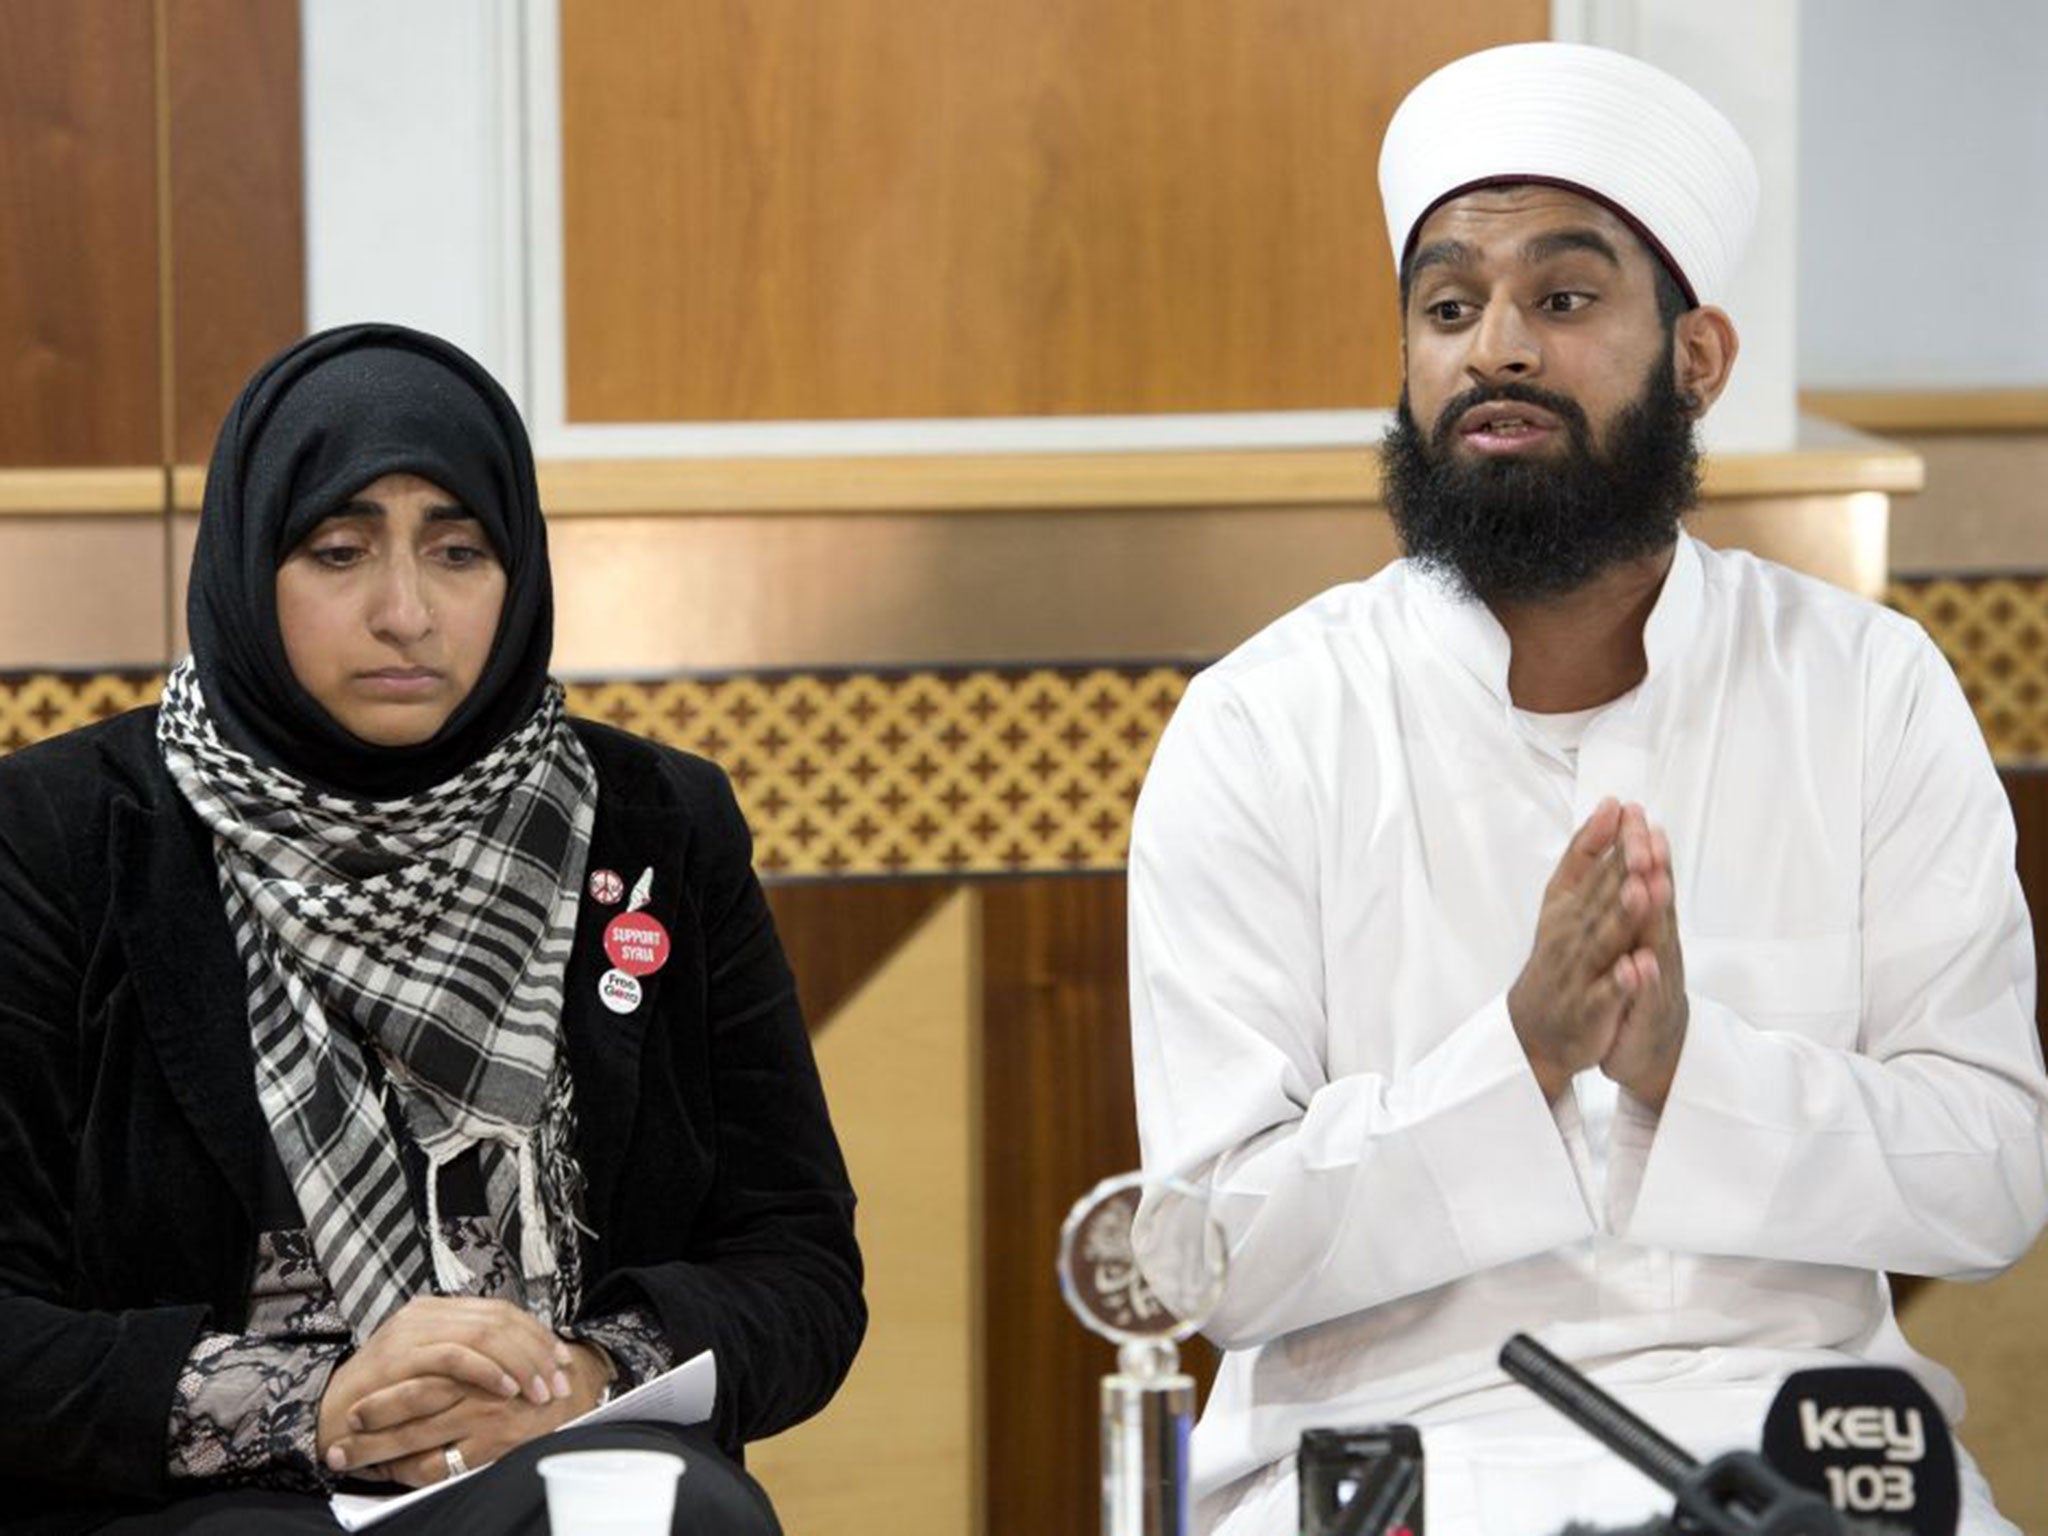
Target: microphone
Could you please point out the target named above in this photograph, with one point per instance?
(1870, 1440)
(1360, 1482)
(1739, 1494)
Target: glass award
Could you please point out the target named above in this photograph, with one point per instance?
(1142, 1263)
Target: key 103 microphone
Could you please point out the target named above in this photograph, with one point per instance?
(1872, 1442)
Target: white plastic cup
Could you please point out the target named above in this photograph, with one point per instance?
(610, 1493)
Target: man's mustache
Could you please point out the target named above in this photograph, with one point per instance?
(1562, 407)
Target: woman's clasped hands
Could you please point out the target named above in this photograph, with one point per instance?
(452, 1373)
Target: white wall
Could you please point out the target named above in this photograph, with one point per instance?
(1924, 194)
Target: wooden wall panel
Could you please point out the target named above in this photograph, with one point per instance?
(900, 208)
(79, 362)
(836, 935)
(1057, 1117)
(896, 1452)
(237, 220)
(662, 595)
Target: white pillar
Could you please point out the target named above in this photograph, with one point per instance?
(414, 172)
(1742, 55)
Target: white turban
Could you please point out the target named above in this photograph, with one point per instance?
(1649, 147)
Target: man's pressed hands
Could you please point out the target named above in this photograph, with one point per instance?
(1647, 1042)
(1605, 982)
(460, 1372)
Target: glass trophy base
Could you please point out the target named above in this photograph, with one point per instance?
(1145, 1425)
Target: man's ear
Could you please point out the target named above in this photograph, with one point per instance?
(1703, 348)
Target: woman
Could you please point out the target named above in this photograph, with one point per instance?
(390, 1068)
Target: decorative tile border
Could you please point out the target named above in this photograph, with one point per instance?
(1994, 631)
(1015, 770)
(922, 772)
(37, 705)
(846, 774)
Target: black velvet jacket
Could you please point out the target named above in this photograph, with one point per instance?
(132, 1144)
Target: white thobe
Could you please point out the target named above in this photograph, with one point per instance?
(1335, 874)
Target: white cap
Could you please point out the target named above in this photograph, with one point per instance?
(1624, 132)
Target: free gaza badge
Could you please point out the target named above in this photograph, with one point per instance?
(618, 991)
(636, 943)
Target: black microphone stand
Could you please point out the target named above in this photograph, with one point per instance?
(1739, 1494)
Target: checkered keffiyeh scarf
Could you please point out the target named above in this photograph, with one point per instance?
(436, 928)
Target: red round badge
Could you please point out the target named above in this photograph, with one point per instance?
(606, 886)
(636, 943)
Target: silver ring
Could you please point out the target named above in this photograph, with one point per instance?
(451, 1458)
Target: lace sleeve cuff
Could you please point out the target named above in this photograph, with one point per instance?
(633, 1340)
(248, 1410)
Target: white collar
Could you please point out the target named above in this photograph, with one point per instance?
(1468, 631)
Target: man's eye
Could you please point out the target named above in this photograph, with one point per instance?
(1446, 311)
(1566, 303)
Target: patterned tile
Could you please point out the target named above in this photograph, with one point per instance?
(924, 772)
(37, 705)
(1994, 631)
(1015, 770)
(848, 774)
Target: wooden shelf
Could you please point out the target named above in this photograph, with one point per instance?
(1828, 460)
(52, 492)
(961, 482)
(1933, 410)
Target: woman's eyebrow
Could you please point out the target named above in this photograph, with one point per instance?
(440, 512)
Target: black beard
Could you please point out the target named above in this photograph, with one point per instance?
(1521, 530)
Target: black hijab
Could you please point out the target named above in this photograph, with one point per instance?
(317, 423)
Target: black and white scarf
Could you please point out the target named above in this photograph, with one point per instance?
(434, 929)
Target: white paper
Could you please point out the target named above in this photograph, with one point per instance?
(681, 1397)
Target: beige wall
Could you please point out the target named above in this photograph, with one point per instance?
(83, 592)
(1985, 507)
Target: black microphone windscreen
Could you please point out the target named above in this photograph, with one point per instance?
(1871, 1441)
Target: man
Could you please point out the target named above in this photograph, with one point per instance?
(1572, 929)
